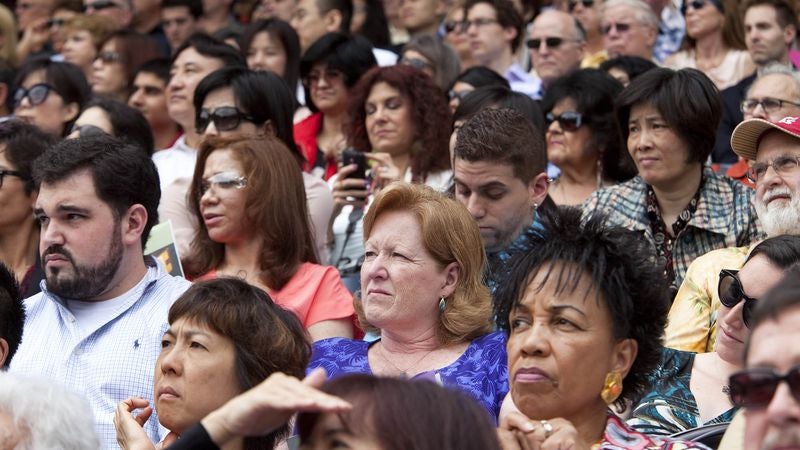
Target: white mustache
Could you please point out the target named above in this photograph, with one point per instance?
(780, 192)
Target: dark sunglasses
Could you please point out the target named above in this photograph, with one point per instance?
(452, 95)
(99, 6)
(731, 292)
(419, 64)
(329, 75)
(573, 3)
(37, 94)
(620, 27)
(109, 57)
(225, 118)
(568, 120)
(696, 4)
(754, 388)
(12, 173)
(55, 23)
(551, 42)
(451, 26)
(87, 130)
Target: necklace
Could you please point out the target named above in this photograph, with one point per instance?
(403, 372)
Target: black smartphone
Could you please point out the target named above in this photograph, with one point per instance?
(350, 156)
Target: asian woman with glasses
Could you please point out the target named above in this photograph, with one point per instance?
(689, 390)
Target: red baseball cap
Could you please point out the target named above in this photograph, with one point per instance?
(744, 140)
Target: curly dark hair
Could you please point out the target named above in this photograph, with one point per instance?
(620, 268)
(429, 112)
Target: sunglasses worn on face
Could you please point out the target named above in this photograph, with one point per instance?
(55, 23)
(573, 3)
(731, 292)
(419, 64)
(225, 118)
(451, 26)
(568, 120)
(37, 94)
(109, 57)
(452, 95)
(99, 6)
(222, 182)
(550, 42)
(329, 75)
(699, 4)
(754, 388)
(620, 27)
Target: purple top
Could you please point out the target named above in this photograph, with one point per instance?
(481, 371)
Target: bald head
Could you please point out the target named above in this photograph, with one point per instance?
(557, 45)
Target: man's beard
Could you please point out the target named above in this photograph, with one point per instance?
(779, 218)
(86, 282)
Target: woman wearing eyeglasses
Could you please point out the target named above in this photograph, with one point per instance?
(329, 70)
(248, 198)
(714, 42)
(83, 37)
(689, 390)
(20, 145)
(119, 57)
(582, 137)
(668, 120)
(456, 36)
(235, 101)
(50, 95)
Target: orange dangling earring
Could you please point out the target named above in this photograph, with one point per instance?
(612, 388)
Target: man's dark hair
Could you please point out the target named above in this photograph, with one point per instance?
(784, 10)
(211, 47)
(23, 144)
(507, 16)
(12, 312)
(345, 7)
(503, 136)
(127, 124)
(481, 76)
(632, 65)
(686, 99)
(159, 67)
(122, 173)
(195, 6)
(500, 97)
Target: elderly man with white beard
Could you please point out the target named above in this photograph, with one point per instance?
(773, 151)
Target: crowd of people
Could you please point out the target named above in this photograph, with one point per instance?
(399, 224)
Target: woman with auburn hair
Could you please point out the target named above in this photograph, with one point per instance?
(247, 195)
(422, 290)
(399, 119)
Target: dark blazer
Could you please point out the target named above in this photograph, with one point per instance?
(731, 116)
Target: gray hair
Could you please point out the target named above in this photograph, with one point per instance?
(445, 62)
(642, 12)
(775, 67)
(50, 416)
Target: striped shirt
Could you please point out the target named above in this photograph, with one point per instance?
(107, 364)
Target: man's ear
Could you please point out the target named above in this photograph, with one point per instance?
(509, 34)
(333, 20)
(537, 188)
(133, 223)
(3, 352)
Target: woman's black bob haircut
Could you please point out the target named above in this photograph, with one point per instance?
(620, 267)
(686, 99)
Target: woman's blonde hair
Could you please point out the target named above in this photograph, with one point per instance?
(8, 50)
(450, 235)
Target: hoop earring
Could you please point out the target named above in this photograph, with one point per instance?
(442, 304)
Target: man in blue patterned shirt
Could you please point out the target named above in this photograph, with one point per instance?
(97, 325)
(499, 171)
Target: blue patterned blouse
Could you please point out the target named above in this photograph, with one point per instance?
(481, 371)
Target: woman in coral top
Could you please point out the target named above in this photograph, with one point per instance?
(247, 194)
